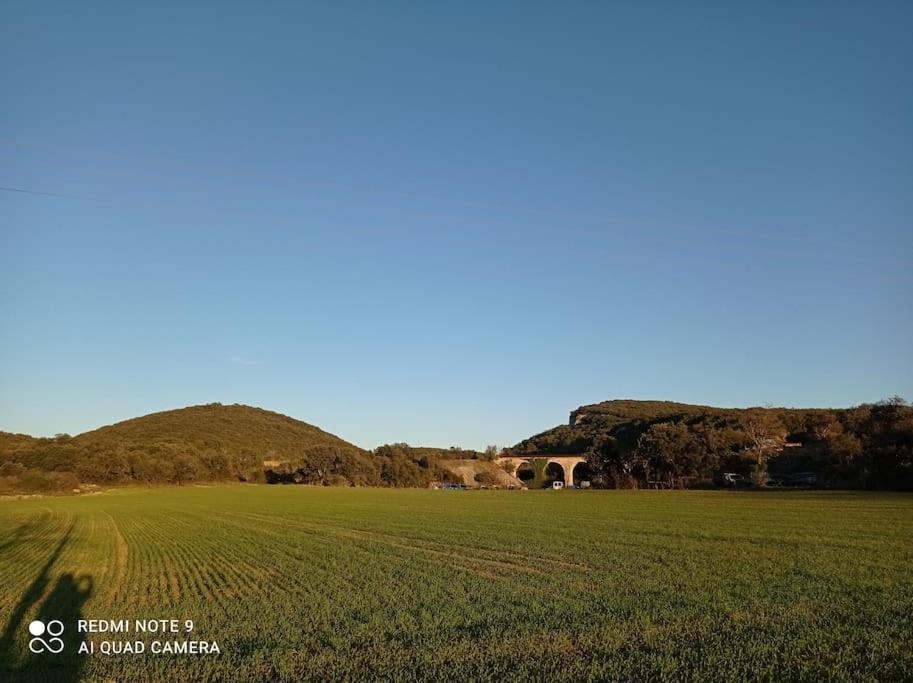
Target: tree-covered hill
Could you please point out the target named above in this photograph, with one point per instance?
(635, 443)
(627, 443)
(15, 442)
(212, 442)
(216, 426)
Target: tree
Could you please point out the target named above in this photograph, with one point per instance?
(765, 434)
(671, 449)
(184, 468)
(610, 463)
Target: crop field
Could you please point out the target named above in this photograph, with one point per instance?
(332, 583)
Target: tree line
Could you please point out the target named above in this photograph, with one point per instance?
(626, 443)
(869, 446)
(63, 464)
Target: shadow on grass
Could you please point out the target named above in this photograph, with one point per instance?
(20, 534)
(64, 603)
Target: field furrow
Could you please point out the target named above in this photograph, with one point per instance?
(302, 583)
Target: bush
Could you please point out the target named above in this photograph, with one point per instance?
(11, 469)
(35, 481)
(485, 478)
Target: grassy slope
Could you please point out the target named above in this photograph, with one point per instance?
(316, 583)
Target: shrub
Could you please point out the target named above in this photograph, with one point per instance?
(485, 478)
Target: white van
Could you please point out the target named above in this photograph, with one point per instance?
(557, 485)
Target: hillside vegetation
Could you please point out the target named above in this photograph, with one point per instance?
(636, 443)
(627, 444)
(201, 443)
(211, 443)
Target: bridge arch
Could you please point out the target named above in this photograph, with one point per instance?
(568, 464)
(580, 472)
(544, 467)
(524, 471)
(555, 471)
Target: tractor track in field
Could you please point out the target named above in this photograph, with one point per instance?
(121, 556)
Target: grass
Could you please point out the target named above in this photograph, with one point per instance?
(330, 583)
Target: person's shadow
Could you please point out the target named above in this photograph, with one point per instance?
(30, 597)
(64, 604)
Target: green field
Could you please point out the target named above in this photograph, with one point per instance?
(334, 583)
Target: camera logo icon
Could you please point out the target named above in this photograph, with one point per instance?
(53, 629)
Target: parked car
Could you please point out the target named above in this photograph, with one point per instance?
(735, 480)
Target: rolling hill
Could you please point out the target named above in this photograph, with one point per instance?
(211, 442)
(619, 419)
(628, 443)
(234, 428)
(632, 443)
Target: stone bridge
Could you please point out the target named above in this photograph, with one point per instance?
(540, 464)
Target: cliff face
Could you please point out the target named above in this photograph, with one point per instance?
(578, 417)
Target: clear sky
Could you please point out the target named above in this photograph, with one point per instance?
(451, 223)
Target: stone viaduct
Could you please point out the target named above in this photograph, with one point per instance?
(541, 464)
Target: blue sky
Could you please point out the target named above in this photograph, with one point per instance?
(451, 223)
